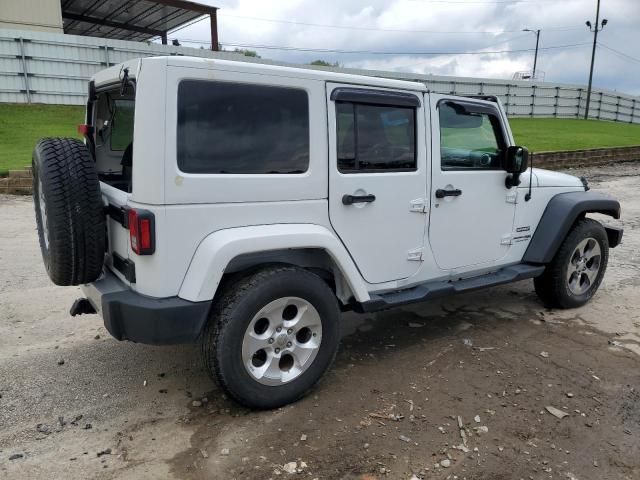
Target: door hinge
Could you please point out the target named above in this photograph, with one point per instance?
(506, 239)
(415, 255)
(418, 205)
(512, 196)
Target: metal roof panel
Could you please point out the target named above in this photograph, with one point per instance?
(137, 20)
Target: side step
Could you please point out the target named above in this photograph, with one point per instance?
(430, 290)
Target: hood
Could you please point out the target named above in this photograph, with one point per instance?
(547, 178)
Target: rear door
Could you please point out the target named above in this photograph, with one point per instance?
(377, 178)
(473, 211)
(112, 118)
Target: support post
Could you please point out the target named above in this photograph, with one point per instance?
(533, 100)
(593, 59)
(215, 46)
(535, 58)
(106, 56)
(579, 102)
(555, 110)
(600, 107)
(164, 38)
(24, 70)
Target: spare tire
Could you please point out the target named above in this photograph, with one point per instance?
(69, 211)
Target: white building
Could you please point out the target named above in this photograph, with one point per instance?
(41, 15)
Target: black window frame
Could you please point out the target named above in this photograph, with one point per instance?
(252, 85)
(403, 106)
(480, 108)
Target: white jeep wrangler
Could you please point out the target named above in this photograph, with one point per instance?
(245, 206)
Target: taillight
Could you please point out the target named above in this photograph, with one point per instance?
(85, 130)
(141, 231)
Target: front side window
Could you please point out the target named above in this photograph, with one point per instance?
(469, 140)
(375, 138)
(242, 128)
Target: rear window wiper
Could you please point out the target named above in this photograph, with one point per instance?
(125, 80)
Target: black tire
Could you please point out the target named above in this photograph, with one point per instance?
(553, 287)
(231, 316)
(69, 211)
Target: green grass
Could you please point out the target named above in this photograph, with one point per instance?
(552, 134)
(21, 126)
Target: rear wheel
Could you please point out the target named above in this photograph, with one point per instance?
(575, 273)
(272, 335)
(69, 211)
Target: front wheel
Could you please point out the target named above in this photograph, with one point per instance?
(271, 336)
(577, 269)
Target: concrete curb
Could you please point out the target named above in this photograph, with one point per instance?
(19, 182)
(585, 158)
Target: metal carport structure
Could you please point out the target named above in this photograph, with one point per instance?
(134, 20)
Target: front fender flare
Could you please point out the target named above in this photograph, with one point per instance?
(561, 213)
(218, 249)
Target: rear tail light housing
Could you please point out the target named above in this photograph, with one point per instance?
(85, 130)
(142, 233)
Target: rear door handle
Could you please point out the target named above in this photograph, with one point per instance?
(351, 199)
(440, 193)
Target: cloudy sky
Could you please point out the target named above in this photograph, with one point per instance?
(403, 35)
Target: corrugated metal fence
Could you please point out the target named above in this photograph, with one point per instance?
(538, 99)
(40, 67)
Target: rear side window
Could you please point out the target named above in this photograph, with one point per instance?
(374, 138)
(122, 124)
(242, 128)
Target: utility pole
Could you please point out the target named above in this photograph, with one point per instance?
(535, 58)
(595, 29)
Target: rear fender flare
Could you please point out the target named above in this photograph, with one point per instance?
(218, 249)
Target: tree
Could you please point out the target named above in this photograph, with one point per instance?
(324, 63)
(246, 53)
(240, 51)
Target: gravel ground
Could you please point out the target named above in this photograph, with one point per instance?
(77, 404)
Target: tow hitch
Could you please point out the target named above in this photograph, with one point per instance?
(81, 306)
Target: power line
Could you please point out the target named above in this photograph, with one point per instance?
(373, 52)
(501, 42)
(488, 2)
(377, 29)
(472, 2)
(421, 62)
(621, 54)
(188, 24)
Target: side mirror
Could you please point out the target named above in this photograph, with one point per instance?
(515, 161)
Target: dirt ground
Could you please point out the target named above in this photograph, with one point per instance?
(77, 404)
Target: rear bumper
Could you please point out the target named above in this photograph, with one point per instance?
(130, 316)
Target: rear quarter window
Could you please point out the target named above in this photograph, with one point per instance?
(237, 128)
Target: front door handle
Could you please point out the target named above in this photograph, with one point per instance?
(440, 193)
(351, 199)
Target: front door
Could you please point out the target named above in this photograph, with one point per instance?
(378, 178)
(472, 210)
